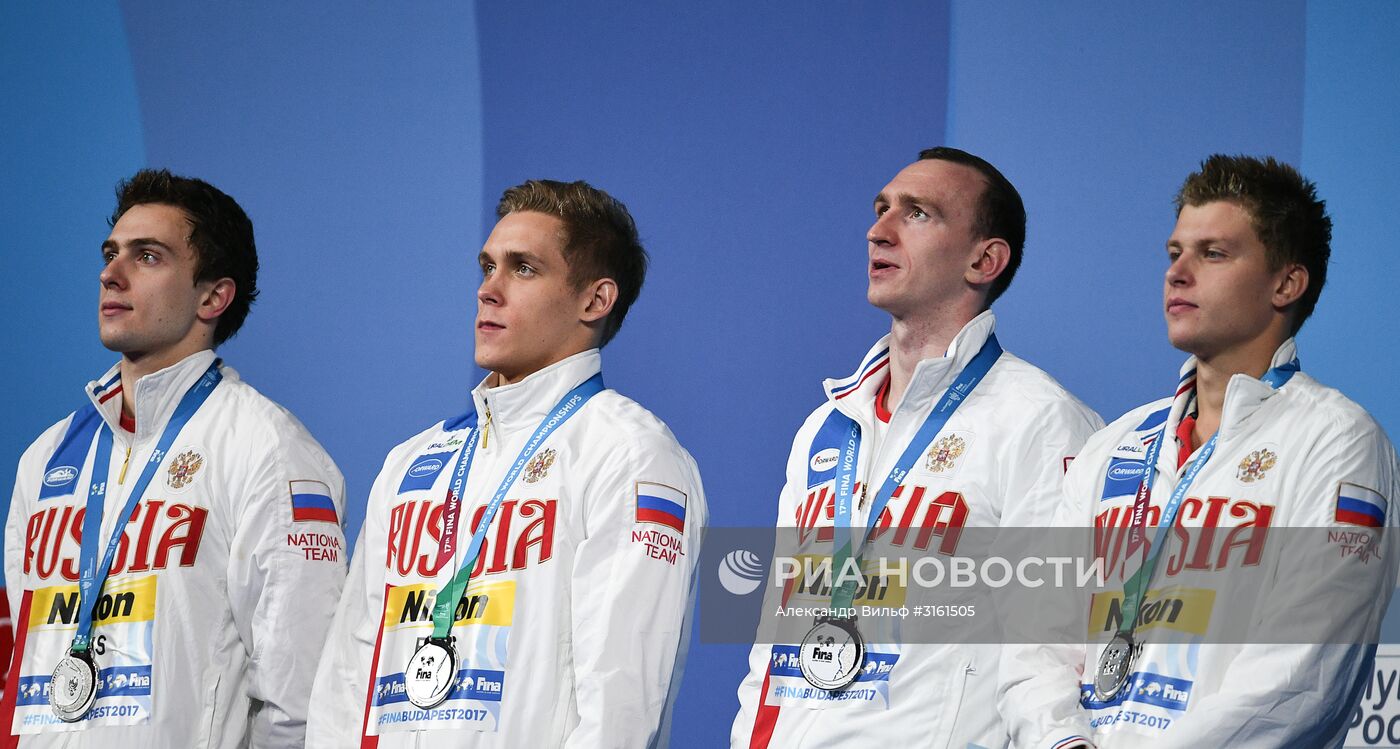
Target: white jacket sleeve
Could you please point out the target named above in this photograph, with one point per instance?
(629, 600)
(761, 654)
(15, 526)
(281, 595)
(342, 676)
(1038, 684)
(1302, 695)
(28, 476)
(340, 694)
(1037, 471)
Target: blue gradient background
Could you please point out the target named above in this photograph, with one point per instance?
(369, 143)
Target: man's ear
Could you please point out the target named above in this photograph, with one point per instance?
(993, 255)
(598, 299)
(216, 299)
(1291, 286)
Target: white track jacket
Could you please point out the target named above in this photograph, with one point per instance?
(571, 629)
(208, 629)
(997, 462)
(1300, 457)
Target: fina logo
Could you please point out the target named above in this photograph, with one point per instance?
(425, 467)
(1128, 469)
(60, 476)
(740, 572)
(825, 460)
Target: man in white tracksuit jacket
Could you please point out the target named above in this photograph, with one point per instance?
(229, 564)
(946, 240)
(1248, 260)
(571, 628)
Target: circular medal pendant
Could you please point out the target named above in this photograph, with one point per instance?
(1115, 664)
(832, 654)
(431, 673)
(73, 687)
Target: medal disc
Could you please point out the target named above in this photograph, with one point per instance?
(431, 673)
(831, 655)
(1115, 664)
(73, 688)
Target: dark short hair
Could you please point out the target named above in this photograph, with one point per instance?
(1000, 212)
(1290, 220)
(601, 238)
(220, 233)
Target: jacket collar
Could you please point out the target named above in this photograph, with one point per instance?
(157, 394)
(525, 404)
(1244, 395)
(854, 395)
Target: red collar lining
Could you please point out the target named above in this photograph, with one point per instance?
(882, 411)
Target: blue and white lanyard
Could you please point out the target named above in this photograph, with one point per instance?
(1135, 589)
(954, 396)
(91, 576)
(447, 598)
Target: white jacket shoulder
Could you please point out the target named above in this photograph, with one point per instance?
(266, 425)
(1332, 413)
(1030, 391)
(43, 445)
(632, 426)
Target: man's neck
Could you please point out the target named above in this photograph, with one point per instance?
(914, 339)
(499, 377)
(1213, 374)
(134, 367)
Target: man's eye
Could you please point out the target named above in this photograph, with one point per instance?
(148, 257)
(108, 257)
(525, 270)
(917, 213)
(486, 269)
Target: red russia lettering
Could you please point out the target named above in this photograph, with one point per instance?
(819, 513)
(943, 516)
(1211, 534)
(1111, 533)
(407, 525)
(821, 503)
(522, 532)
(54, 537)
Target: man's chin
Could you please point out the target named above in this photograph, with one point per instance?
(877, 298)
(490, 362)
(116, 344)
(1190, 344)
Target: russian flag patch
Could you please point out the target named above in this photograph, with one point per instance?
(660, 504)
(311, 503)
(1357, 505)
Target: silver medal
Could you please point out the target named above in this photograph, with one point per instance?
(73, 687)
(1115, 664)
(832, 654)
(431, 673)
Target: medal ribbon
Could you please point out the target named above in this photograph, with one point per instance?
(451, 510)
(447, 598)
(846, 545)
(1135, 589)
(91, 577)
